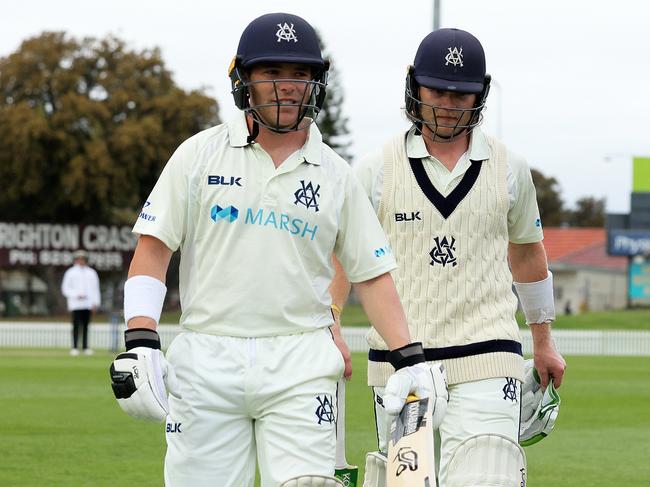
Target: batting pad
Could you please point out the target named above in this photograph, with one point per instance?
(375, 475)
(312, 481)
(487, 461)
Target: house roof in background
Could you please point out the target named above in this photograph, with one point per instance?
(584, 247)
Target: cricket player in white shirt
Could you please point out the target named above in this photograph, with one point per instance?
(257, 206)
(460, 213)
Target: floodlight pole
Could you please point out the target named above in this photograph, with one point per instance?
(436, 14)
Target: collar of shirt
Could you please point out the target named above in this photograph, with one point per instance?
(310, 152)
(478, 147)
(442, 178)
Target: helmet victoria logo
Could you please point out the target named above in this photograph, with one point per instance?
(286, 33)
(454, 56)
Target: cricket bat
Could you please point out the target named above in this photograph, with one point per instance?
(342, 470)
(411, 458)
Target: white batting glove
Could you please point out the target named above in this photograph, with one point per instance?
(440, 396)
(539, 409)
(140, 377)
(412, 376)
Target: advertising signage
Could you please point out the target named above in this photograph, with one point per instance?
(640, 282)
(109, 247)
(628, 242)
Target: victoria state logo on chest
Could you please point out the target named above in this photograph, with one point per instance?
(443, 252)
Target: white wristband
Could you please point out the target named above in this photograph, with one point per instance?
(143, 296)
(537, 300)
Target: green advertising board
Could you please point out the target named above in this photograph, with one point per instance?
(641, 175)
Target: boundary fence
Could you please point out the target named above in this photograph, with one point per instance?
(108, 336)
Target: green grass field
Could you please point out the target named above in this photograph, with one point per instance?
(61, 426)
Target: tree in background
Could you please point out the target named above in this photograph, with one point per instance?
(86, 127)
(332, 123)
(589, 212)
(551, 208)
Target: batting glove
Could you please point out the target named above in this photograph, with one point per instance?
(412, 376)
(140, 377)
(539, 409)
(440, 396)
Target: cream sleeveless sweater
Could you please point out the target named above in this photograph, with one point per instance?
(453, 277)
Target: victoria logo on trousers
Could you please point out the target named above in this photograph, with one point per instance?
(325, 409)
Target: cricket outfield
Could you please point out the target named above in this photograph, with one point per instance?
(62, 427)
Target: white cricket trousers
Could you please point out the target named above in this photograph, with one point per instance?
(272, 398)
(474, 408)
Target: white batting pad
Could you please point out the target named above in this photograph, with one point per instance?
(487, 461)
(312, 481)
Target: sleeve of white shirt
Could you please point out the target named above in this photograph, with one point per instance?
(66, 285)
(96, 295)
(361, 246)
(369, 170)
(524, 223)
(164, 214)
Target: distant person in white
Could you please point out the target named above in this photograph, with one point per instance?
(80, 287)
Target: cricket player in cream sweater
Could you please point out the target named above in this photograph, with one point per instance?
(460, 213)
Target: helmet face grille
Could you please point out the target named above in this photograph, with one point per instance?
(423, 114)
(268, 114)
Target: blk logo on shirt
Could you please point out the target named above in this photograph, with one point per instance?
(408, 217)
(224, 180)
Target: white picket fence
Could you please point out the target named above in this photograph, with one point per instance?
(109, 337)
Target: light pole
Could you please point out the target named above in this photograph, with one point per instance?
(495, 84)
(436, 14)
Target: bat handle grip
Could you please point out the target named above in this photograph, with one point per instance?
(412, 398)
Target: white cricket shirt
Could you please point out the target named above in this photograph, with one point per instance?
(524, 224)
(80, 286)
(256, 242)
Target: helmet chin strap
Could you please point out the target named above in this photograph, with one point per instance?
(435, 137)
(259, 121)
(254, 132)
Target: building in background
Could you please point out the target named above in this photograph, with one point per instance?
(34, 256)
(586, 278)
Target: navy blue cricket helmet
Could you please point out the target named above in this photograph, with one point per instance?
(279, 38)
(447, 60)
